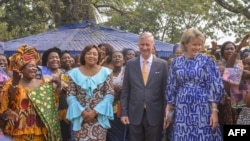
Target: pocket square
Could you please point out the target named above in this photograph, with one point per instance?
(157, 72)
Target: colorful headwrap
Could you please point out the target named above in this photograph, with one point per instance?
(23, 56)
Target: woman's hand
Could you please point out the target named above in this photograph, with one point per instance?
(104, 60)
(17, 75)
(166, 121)
(214, 119)
(11, 115)
(57, 84)
(244, 42)
(89, 115)
(56, 80)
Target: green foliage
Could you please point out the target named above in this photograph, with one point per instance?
(166, 19)
(24, 17)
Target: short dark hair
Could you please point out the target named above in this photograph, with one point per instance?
(65, 52)
(126, 50)
(47, 52)
(87, 49)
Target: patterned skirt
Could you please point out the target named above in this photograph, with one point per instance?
(92, 131)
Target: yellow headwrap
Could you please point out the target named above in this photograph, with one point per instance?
(23, 56)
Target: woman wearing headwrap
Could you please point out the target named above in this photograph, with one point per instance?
(28, 104)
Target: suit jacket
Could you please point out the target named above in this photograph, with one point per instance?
(135, 94)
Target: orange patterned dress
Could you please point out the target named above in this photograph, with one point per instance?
(27, 125)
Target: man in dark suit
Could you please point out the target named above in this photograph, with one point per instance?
(143, 102)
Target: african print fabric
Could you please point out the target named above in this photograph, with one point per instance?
(95, 92)
(44, 102)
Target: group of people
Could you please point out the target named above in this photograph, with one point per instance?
(110, 95)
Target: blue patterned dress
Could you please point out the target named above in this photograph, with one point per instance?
(192, 85)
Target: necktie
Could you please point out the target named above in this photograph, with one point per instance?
(145, 71)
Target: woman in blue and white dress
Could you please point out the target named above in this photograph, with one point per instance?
(194, 88)
(90, 97)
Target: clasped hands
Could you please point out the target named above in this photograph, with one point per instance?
(89, 115)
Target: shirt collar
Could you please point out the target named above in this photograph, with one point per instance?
(150, 59)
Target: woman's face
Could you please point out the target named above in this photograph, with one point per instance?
(102, 52)
(178, 52)
(53, 60)
(91, 57)
(245, 55)
(66, 60)
(193, 47)
(3, 62)
(117, 59)
(130, 54)
(29, 70)
(246, 63)
(77, 61)
(228, 51)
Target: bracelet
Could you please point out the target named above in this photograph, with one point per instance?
(215, 109)
(14, 86)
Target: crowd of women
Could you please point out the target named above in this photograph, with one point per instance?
(34, 90)
(57, 97)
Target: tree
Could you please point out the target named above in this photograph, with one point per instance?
(166, 19)
(238, 7)
(24, 17)
(74, 11)
(170, 18)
